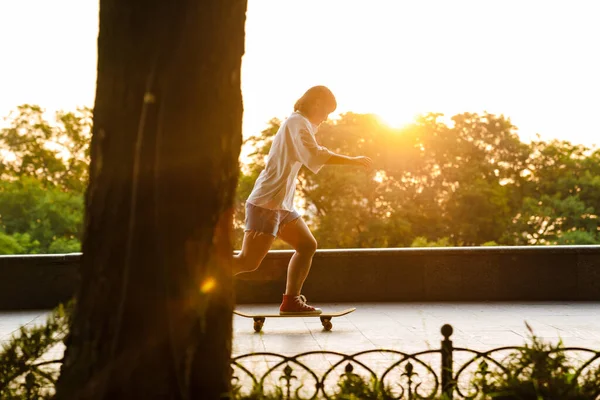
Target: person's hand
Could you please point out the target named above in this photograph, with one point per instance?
(364, 162)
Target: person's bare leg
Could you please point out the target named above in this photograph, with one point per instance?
(297, 235)
(254, 249)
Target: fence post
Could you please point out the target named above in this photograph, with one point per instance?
(447, 372)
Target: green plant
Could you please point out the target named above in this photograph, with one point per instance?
(353, 387)
(24, 373)
(538, 371)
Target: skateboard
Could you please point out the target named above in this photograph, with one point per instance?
(259, 319)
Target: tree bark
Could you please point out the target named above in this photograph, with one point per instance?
(153, 313)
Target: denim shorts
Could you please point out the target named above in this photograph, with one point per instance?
(263, 220)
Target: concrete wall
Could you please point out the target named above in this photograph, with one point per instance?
(556, 273)
(37, 281)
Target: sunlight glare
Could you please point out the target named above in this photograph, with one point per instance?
(395, 120)
(208, 285)
(379, 176)
(7, 155)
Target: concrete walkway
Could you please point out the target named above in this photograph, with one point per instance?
(407, 327)
(402, 326)
(416, 326)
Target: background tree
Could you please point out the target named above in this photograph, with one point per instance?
(466, 181)
(153, 313)
(44, 170)
(54, 153)
(48, 216)
(561, 197)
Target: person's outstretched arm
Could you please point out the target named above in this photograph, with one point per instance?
(339, 159)
(314, 156)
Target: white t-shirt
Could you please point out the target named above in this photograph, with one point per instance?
(294, 145)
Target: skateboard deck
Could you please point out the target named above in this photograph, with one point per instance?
(325, 317)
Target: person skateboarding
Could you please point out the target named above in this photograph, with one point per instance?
(270, 209)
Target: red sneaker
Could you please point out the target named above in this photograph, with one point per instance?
(296, 305)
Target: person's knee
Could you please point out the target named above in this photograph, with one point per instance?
(308, 246)
(247, 264)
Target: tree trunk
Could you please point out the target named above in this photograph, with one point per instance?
(153, 314)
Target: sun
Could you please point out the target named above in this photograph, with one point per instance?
(395, 119)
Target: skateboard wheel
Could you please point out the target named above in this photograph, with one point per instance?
(258, 324)
(326, 322)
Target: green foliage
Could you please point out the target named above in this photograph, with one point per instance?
(539, 371)
(9, 244)
(577, 237)
(54, 153)
(352, 386)
(423, 242)
(465, 182)
(257, 393)
(18, 243)
(470, 182)
(44, 171)
(41, 214)
(64, 245)
(489, 244)
(24, 371)
(547, 219)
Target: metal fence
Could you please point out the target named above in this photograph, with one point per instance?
(447, 372)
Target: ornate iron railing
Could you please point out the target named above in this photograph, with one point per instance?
(461, 373)
(448, 372)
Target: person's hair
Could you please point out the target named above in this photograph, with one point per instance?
(314, 94)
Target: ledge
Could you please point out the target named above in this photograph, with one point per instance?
(537, 273)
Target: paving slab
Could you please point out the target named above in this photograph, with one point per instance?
(406, 327)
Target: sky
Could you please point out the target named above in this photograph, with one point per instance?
(536, 62)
